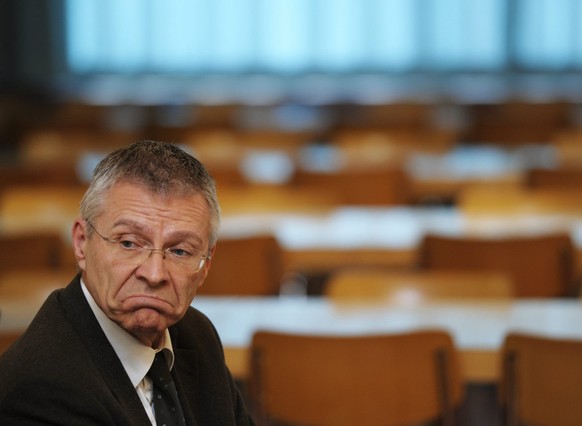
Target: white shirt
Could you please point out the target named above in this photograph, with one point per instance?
(135, 357)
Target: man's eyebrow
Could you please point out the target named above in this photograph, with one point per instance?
(186, 235)
(130, 223)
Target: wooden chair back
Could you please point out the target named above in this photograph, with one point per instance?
(559, 179)
(394, 379)
(541, 381)
(275, 199)
(539, 266)
(406, 288)
(517, 200)
(360, 186)
(31, 207)
(247, 266)
(30, 251)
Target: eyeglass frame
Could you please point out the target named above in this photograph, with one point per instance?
(112, 240)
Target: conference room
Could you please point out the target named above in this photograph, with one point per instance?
(400, 184)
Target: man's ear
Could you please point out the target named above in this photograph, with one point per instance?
(79, 234)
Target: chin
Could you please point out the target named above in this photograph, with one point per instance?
(148, 320)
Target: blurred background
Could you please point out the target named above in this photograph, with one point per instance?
(447, 108)
(162, 68)
(341, 133)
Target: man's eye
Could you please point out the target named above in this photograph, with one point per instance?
(178, 252)
(128, 244)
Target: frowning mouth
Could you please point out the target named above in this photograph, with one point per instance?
(147, 301)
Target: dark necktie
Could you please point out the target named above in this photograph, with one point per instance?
(166, 404)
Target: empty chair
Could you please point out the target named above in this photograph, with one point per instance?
(47, 207)
(539, 266)
(510, 200)
(393, 379)
(360, 185)
(418, 286)
(516, 122)
(542, 381)
(558, 179)
(247, 266)
(29, 251)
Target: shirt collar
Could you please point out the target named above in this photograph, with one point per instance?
(135, 357)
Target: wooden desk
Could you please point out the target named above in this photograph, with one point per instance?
(478, 328)
(388, 236)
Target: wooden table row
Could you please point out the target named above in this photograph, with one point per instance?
(389, 236)
(478, 328)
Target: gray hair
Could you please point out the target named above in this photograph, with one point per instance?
(161, 167)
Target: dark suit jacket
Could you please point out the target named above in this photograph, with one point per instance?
(64, 371)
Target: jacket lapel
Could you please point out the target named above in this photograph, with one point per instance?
(79, 314)
(185, 375)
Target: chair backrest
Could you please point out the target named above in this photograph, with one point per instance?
(542, 380)
(360, 185)
(31, 207)
(561, 178)
(246, 266)
(485, 200)
(390, 379)
(406, 288)
(540, 266)
(29, 251)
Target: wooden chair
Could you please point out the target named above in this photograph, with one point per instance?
(374, 143)
(405, 288)
(246, 266)
(395, 379)
(359, 185)
(477, 200)
(277, 199)
(516, 122)
(31, 207)
(540, 266)
(559, 179)
(542, 380)
(394, 115)
(30, 251)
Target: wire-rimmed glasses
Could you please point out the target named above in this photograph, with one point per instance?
(133, 249)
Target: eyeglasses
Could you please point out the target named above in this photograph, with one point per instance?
(133, 249)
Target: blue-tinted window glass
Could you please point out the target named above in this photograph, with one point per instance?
(83, 45)
(290, 36)
(284, 35)
(392, 39)
(545, 34)
(466, 34)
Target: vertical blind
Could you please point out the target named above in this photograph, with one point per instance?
(336, 36)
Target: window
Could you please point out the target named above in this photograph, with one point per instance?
(298, 36)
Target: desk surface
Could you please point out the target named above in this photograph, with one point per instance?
(478, 328)
(384, 235)
(390, 227)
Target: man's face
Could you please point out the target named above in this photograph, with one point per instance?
(144, 297)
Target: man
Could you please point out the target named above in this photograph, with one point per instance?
(143, 243)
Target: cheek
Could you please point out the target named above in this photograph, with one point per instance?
(188, 289)
(108, 278)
